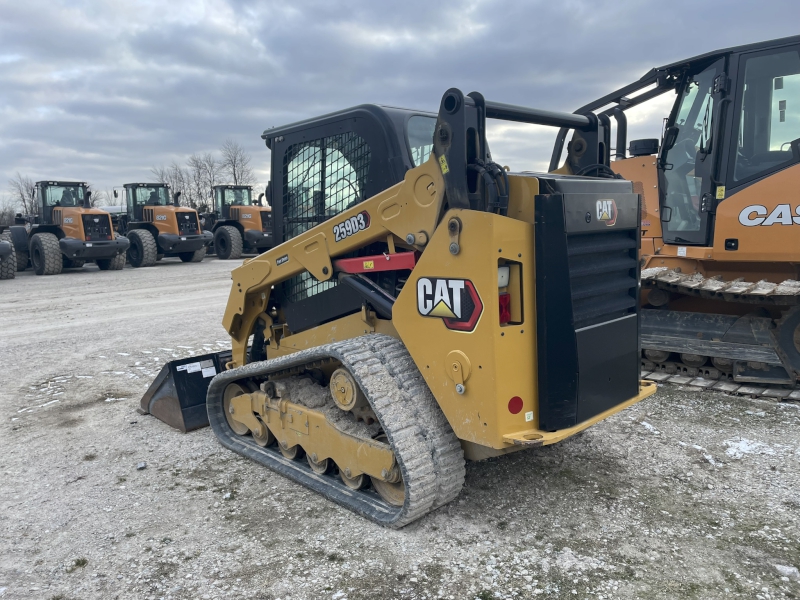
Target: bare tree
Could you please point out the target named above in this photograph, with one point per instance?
(235, 163)
(8, 208)
(22, 193)
(178, 179)
(205, 172)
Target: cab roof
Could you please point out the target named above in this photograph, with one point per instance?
(389, 116)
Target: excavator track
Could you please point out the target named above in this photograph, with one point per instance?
(751, 355)
(427, 451)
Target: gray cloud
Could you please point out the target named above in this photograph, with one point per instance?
(102, 90)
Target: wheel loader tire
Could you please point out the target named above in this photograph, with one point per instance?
(8, 265)
(228, 243)
(45, 254)
(72, 263)
(196, 256)
(111, 264)
(22, 259)
(143, 250)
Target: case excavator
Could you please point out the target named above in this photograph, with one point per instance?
(424, 306)
(720, 214)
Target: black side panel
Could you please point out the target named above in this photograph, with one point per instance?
(587, 278)
(556, 345)
(608, 361)
(322, 307)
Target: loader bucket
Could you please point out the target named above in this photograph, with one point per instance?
(177, 396)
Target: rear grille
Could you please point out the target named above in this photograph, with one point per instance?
(266, 221)
(97, 227)
(602, 271)
(187, 223)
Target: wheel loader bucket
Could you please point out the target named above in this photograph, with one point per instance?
(177, 396)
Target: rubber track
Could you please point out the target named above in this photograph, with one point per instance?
(424, 444)
(448, 457)
(8, 266)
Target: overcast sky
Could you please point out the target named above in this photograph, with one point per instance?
(102, 90)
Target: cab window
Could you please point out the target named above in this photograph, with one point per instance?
(322, 178)
(152, 196)
(63, 195)
(769, 114)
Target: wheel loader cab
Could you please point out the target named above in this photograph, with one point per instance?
(158, 226)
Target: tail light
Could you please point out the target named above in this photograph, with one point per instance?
(505, 308)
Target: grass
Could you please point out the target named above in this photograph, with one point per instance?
(78, 563)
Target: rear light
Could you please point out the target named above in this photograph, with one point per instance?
(505, 308)
(88, 238)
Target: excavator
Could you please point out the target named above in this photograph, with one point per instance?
(423, 306)
(720, 248)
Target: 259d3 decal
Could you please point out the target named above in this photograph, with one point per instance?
(455, 301)
(352, 225)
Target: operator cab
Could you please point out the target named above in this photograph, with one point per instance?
(324, 165)
(139, 195)
(52, 194)
(231, 195)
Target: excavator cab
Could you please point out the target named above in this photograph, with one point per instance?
(720, 217)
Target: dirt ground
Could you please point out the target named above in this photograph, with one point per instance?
(690, 494)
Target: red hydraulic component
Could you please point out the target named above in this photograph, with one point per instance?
(380, 262)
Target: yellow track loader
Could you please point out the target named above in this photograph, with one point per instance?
(425, 306)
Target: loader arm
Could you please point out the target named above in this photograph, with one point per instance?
(413, 206)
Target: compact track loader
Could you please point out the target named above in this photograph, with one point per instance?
(720, 213)
(66, 232)
(239, 225)
(157, 227)
(425, 305)
(8, 257)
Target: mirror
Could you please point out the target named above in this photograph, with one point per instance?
(666, 214)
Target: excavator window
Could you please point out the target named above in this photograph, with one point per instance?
(769, 113)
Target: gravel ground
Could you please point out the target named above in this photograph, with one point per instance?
(690, 494)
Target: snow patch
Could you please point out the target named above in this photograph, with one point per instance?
(739, 447)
